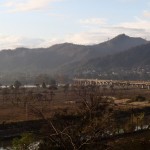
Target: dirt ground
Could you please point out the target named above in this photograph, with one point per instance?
(19, 105)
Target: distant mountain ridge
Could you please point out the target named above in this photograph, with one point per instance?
(63, 57)
(134, 57)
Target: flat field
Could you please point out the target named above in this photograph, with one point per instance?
(23, 104)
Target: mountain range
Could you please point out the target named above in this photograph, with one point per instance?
(120, 51)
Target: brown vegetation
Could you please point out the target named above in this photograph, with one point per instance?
(15, 103)
(77, 117)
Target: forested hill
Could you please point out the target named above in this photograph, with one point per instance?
(61, 56)
(133, 58)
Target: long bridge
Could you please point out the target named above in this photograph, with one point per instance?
(116, 83)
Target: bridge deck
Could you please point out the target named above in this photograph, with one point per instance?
(142, 84)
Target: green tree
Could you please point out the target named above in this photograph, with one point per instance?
(44, 85)
(17, 84)
(11, 87)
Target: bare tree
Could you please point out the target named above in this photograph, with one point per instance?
(82, 129)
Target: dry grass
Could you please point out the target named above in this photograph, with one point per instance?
(11, 110)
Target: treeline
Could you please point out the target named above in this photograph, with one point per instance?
(29, 78)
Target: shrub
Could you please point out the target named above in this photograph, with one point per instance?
(140, 98)
(23, 142)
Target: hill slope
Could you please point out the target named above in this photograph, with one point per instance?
(135, 57)
(133, 64)
(62, 56)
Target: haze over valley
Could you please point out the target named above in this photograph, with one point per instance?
(121, 52)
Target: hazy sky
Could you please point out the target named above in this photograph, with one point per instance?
(41, 23)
